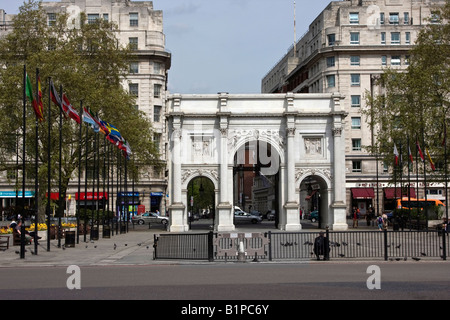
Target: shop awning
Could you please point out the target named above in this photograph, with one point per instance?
(53, 195)
(363, 193)
(83, 196)
(389, 193)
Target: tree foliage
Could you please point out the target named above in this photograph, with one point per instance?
(414, 103)
(91, 66)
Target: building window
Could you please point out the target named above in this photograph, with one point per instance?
(157, 141)
(93, 17)
(157, 91)
(354, 17)
(408, 38)
(331, 83)
(157, 113)
(406, 17)
(354, 37)
(383, 38)
(356, 101)
(381, 17)
(106, 17)
(356, 144)
(395, 37)
(383, 60)
(355, 80)
(407, 60)
(356, 123)
(331, 39)
(393, 18)
(156, 67)
(134, 19)
(134, 67)
(134, 89)
(356, 166)
(395, 60)
(51, 17)
(133, 42)
(330, 62)
(354, 60)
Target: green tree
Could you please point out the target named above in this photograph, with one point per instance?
(91, 67)
(415, 103)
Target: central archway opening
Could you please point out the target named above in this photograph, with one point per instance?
(201, 203)
(256, 185)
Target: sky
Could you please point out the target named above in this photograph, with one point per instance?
(225, 45)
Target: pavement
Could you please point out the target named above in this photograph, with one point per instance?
(134, 247)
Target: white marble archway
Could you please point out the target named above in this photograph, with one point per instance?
(206, 131)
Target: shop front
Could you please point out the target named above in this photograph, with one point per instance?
(11, 201)
(362, 198)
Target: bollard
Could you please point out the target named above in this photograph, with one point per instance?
(241, 252)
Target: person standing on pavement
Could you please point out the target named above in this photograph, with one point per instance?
(355, 217)
(322, 247)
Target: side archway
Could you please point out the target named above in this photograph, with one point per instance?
(315, 197)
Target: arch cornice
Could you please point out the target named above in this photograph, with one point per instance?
(303, 173)
(238, 137)
(188, 174)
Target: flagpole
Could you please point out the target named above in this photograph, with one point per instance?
(36, 172)
(60, 165)
(409, 182)
(93, 190)
(48, 165)
(24, 130)
(425, 182)
(85, 183)
(80, 133)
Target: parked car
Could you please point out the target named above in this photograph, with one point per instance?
(314, 216)
(242, 216)
(270, 215)
(150, 217)
(256, 213)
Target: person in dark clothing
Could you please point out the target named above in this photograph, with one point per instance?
(322, 247)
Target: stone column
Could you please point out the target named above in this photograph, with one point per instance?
(178, 220)
(338, 205)
(292, 218)
(224, 212)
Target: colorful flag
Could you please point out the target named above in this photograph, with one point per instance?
(420, 151)
(396, 154)
(37, 106)
(40, 105)
(89, 118)
(113, 132)
(69, 110)
(429, 158)
(54, 95)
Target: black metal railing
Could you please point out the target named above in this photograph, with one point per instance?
(384, 244)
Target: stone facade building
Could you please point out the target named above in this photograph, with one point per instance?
(345, 48)
(141, 26)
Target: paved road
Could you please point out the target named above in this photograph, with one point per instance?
(231, 281)
(122, 268)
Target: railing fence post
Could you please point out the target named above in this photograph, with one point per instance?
(444, 242)
(270, 245)
(385, 244)
(211, 246)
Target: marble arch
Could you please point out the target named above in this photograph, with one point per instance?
(306, 130)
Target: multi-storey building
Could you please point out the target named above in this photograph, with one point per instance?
(345, 48)
(140, 26)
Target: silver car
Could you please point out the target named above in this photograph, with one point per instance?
(241, 216)
(150, 217)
